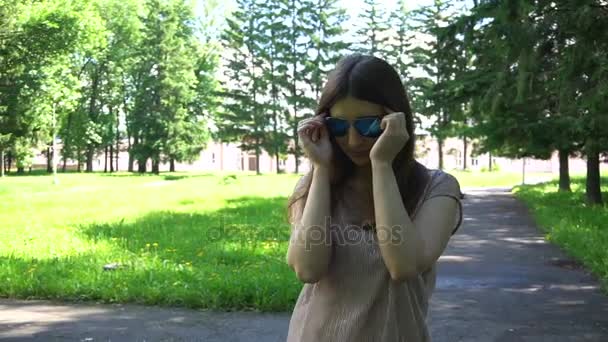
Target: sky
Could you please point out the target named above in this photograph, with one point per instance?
(353, 7)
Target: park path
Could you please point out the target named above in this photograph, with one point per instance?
(498, 280)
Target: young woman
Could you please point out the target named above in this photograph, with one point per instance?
(368, 221)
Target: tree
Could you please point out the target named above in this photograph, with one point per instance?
(536, 82)
(299, 101)
(400, 41)
(436, 92)
(274, 64)
(242, 116)
(35, 46)
(327, 44)
(373, 30)
(163, 124)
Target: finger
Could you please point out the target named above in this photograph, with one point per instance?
(309, 125)
(307, 120)
(305, 139)
(319, 121)
(311, 121)
(313, 134)
(303, 123)
(309, 130)
(323, 132)
(384, 122)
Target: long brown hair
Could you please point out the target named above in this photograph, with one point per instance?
(370, 79)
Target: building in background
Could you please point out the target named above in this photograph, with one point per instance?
(227, 157)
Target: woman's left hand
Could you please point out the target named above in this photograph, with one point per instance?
(392, 139)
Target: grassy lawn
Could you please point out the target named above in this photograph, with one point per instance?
(579, 229)
(194, 240)
(495, 178)
(198, 240)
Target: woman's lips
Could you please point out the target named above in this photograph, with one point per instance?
(360, 154)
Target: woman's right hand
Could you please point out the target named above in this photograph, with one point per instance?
(314, 139)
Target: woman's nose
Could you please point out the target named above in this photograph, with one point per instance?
(354, 138)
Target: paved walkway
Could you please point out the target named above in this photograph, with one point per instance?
(497, 281)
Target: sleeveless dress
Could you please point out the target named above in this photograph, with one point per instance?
(357, 300)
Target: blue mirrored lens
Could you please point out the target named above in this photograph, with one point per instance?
(368, 127)
(337, 127)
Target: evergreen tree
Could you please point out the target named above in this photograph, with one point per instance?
(299, 101)
(400, 42)
(327, 44)
(438, 56)
(372, 28)
(243, 118)
(275, 42)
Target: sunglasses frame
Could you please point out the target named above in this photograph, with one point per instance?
(348, 123)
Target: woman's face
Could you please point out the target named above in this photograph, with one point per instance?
(354, 145)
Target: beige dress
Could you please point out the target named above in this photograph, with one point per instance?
(357, 300)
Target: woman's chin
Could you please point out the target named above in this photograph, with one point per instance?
(360, 160)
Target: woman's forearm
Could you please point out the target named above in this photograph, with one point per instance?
(398, 240)
(309, 249)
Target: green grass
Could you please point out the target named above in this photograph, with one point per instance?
(495, 178)
(204, 241)
(213, 241)
(580, 229)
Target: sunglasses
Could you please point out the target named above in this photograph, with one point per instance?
(368, 126)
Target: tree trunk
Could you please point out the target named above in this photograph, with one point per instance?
(111, 158)
(464, 155)
(65, 143)
(90, 155)
(297, 159)
(93, 115)
(440, 152)
(564, 172)
(20, 170)
(131, 159)
(117, 138)
(130, 166)
(10, 162)
(141, 165)
(1, 162)
(257, 161)
(49, 156)
(490, 161)
(155, 166)
(105, 159)
(294, 93)
(296, 150)
(594, 193)
(277, 161)
(78, 159)
(172, 165)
